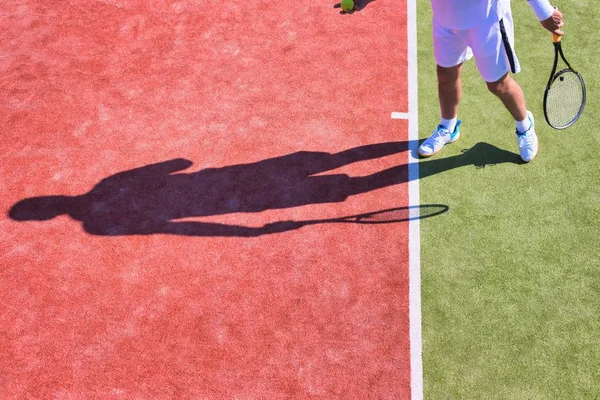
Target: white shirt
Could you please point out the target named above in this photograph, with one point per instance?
(466, 14)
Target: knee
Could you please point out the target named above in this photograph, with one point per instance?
(501, 86)
(448, 75)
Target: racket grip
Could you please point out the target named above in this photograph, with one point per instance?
(556, 38)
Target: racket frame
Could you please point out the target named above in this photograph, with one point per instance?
(556, 39)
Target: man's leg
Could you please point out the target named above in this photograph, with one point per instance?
(509, 91)
(511, 95)
(450, 49)
(449, 93)
(449, 90)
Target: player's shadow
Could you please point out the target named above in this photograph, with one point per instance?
(155, 198)
(359, 5)
(481, 155)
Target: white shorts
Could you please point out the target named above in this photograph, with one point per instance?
(492, 44)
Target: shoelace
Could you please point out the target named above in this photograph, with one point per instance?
(437, 137)
(525, 140)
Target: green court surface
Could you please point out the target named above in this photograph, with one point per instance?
(510, 286)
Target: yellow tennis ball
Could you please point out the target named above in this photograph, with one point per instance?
(347, 5)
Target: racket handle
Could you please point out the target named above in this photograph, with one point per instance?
(556, 38)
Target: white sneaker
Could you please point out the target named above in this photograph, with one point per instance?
(440, 137)
(528, 141)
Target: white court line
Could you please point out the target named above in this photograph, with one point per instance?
(414, 227)
(400, 115)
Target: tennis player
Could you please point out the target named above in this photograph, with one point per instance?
(483, 29)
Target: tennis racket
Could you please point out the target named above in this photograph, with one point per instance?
(564, 98)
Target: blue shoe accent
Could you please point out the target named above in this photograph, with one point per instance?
(438, 139)
(528, 141)
(530, 126)
(456, 131)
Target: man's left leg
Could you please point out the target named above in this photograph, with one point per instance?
(492, 44)
(509, 91)
(511, 95)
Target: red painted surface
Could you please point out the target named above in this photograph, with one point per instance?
(184, 280)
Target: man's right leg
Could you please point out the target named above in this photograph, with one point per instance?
(449, 94)
(450, 50)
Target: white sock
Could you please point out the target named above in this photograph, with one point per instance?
(449, 124)
(523, 126)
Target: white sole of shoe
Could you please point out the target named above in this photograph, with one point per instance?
(440, 149)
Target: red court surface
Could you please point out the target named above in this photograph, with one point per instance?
(171, 172)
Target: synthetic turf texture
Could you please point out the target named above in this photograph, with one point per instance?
(193, 132)
(510, 275)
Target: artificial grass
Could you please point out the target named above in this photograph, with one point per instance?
(510, 287)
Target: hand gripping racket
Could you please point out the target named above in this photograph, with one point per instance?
(564, 98)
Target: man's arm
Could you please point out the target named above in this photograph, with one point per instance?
(549, 16)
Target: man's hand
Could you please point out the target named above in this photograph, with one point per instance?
(554, 23)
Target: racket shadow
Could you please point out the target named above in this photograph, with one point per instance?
(387, 216)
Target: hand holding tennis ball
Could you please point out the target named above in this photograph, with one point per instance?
(347, 5)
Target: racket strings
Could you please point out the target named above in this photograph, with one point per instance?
(565, 99)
